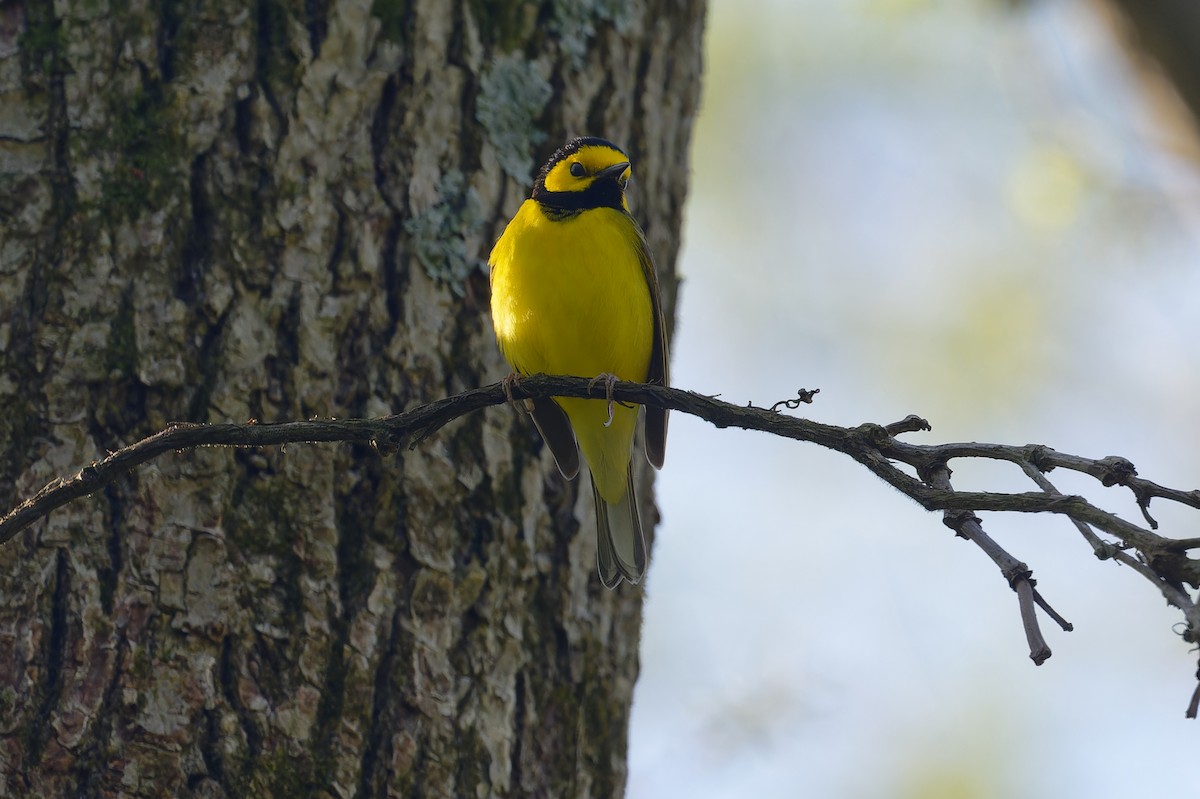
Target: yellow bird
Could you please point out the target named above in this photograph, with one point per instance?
(574, 293)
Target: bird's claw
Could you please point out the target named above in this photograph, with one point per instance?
(610, 380)
(507, 384)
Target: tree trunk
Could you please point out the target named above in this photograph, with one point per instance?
(216, 211)
(1169, 32)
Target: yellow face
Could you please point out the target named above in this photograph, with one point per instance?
(578, 170)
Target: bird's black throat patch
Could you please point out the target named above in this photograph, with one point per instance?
(603, 193)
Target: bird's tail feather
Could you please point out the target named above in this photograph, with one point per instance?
(621, 546)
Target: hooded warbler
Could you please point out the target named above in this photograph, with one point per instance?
(574, 292)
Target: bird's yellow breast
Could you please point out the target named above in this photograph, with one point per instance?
(570, 296)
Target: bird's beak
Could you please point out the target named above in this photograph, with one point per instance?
(613, 172)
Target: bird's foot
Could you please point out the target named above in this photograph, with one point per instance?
(507, 384)
(610, 380)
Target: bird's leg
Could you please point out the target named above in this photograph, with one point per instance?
(506, 385)
(610, 380)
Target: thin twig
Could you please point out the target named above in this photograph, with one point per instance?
(1100, 547)
(1105, 550)
(1051, 612)
(1039, 650)
(1018, 575)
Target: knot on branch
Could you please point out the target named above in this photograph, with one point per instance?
(1174, 568)
(1115, 470)
(872, 433)
(1107, 550)
(1019, 573)
(956, 520)
(1037, 454)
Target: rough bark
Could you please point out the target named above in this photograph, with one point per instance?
(214, 211)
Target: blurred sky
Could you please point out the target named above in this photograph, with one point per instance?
(963, 210)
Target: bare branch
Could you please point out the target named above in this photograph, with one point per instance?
(1161, 560)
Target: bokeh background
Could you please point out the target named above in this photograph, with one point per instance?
(983, 213)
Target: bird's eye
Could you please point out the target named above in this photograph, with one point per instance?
(578, 169)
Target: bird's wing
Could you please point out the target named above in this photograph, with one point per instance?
(656, 418)
(555, 427)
